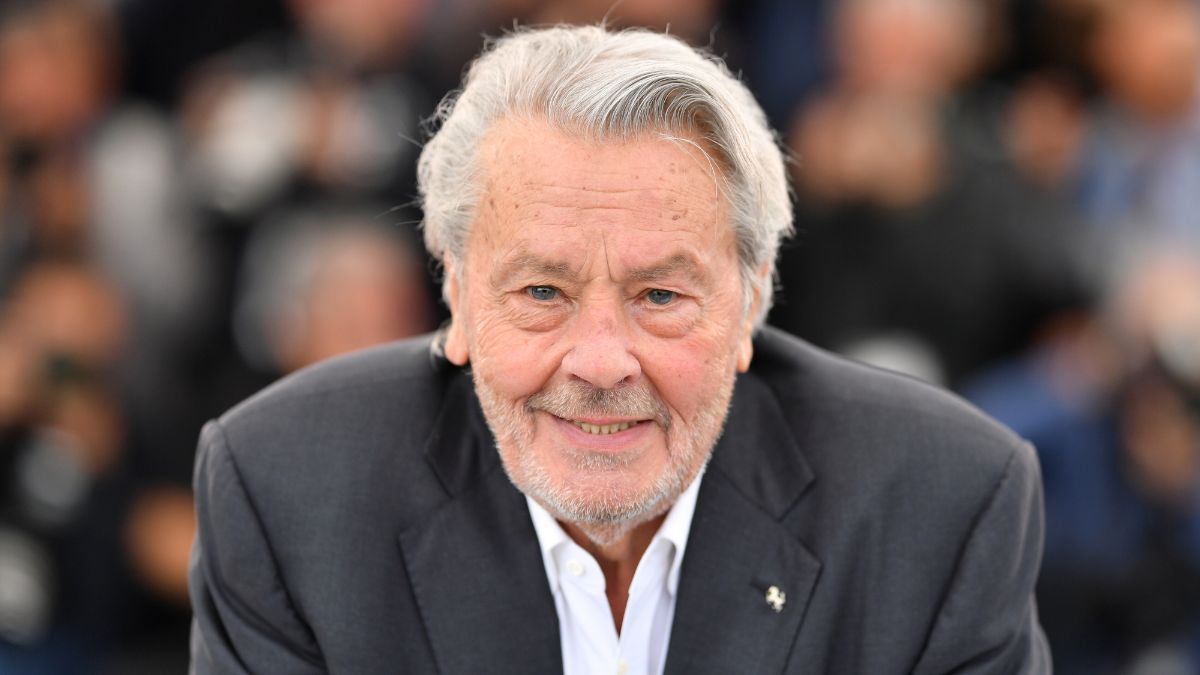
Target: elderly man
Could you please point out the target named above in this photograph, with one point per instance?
(604, 464)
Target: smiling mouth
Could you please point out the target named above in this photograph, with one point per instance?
(603, 429)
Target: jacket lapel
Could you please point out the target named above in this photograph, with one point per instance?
(738, 549)
(474, 564)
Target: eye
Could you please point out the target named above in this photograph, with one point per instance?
(542, 293)
(658, 296)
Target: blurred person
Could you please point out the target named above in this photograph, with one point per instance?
(1112, 406)
(361, 34)
(605, 462)
(54, 76)
(1141, 161)
(317, 285)
(923, 248)
(74, 155)
(62, 437)
(58, 68)
(1047, 124)
(1051, 87)
(331, 109)
(781, 48)
(921, 49)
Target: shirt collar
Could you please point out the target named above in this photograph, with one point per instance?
(674, 529)
(677, 526)
(550, 536)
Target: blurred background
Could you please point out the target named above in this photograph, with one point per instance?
(999, 196)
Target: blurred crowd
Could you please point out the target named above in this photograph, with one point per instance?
(196, 197)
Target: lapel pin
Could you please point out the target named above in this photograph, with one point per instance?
(776, 598)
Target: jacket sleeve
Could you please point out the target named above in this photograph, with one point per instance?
(243, 620)
(987, 622)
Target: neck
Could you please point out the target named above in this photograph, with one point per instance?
(618, 559)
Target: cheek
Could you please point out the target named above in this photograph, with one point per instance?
(510, 359)
(686, 373)
(532, 317)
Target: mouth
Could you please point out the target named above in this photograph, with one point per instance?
(603, 435)
(604, 429)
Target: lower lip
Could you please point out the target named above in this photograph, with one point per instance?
(615, 442)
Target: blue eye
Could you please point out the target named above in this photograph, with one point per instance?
(542, 293)
(660, 297)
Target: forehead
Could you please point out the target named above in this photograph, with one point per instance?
(541, 184)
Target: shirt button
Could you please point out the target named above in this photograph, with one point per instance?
(575, 568)
(622, 668)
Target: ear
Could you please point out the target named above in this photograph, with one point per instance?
(455, 346)
(745, 348)
(745, 352)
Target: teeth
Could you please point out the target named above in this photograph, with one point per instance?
(602, 429)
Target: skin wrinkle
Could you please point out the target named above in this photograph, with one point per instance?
(584, 206)
(537, 362)
(594, 174)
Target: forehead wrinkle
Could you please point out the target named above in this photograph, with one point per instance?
(673, 201)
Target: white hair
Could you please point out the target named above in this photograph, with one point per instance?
(602, 84)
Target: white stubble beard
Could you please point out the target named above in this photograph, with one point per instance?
(608, 517)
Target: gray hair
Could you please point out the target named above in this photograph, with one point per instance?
(622, 85)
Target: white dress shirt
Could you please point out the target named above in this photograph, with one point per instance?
(590, 642)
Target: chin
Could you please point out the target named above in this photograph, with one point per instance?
(608, 485)
(598, 489)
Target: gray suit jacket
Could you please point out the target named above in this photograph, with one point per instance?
(354, 518)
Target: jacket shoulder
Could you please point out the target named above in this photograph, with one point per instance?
(356, 426)
(878, 419)
(924, 513)
(407, 363)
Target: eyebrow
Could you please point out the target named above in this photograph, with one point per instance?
(680, 263)
(528, 262)
(525, 263)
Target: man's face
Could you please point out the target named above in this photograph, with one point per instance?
(600, 307)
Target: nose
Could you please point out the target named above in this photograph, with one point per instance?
(600, 350)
